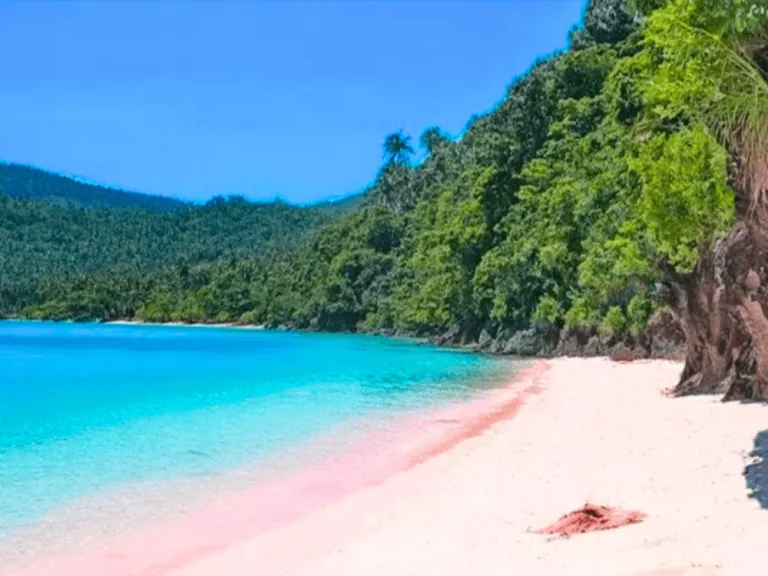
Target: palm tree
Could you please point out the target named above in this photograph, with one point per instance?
(397, 148)
(432, 139)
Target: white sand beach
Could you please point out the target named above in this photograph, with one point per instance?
(464, 491)
(598, 432)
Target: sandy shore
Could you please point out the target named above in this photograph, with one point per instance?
(598, 432)
(461, 493)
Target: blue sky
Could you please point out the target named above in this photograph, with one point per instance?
(263, 99)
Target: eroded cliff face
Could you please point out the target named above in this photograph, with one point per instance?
(723, 309)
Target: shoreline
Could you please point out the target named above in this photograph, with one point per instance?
(464, 489)
(370, 459)
(186, 325)
(596, 431)
(662, 340)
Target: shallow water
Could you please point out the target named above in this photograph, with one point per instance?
(88, 408)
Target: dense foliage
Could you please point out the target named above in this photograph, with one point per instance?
(41, 240)
(572, 203)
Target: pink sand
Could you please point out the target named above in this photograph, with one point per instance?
(170, 546)
(598, 432)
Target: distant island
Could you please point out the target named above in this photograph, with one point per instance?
(612, 203)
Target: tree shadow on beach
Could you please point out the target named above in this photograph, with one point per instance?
(756, 473)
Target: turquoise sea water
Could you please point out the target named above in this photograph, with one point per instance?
(88, 407)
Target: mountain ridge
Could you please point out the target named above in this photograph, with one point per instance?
(30, 182)
(33, 182)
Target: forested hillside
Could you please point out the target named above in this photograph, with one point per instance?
(27, 182)
(595, 195)
(44, 240)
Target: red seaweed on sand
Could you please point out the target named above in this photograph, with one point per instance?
(592, 518)
(623, 356)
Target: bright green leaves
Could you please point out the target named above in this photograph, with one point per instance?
(548, 312)
(613, 322)
(639, 310)
(684, 63)
(670, 202)
(711, 69)
(686, 202)
(451, 234)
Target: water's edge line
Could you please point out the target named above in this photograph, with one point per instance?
(411, 339)
(261, 508)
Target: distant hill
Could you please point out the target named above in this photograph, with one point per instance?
(43, 238)
(53, 227)
(30, 183)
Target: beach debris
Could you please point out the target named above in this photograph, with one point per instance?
(623, 356)
(591, 518)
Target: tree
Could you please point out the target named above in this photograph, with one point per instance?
(397, 148)
(393, 188)
(605, 21)
(432, 138)
(710, 68)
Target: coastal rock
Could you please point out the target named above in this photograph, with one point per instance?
(485, 340)
(524, 343)
(593, 347)
(437, 340)
(723, 305)
(571, 342)
(607, 339)
(497, 346)
(665, 335)
(662, 348)
(468, 338)
(641, 352)
(451, 337)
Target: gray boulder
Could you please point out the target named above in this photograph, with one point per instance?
(485, 340)
(497, 346)
(524, 343)
(593, 347)
(571, 342)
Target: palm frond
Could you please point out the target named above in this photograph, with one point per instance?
(738, 112)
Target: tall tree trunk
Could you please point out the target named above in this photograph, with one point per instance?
(723, 309)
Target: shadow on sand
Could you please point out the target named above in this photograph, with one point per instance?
(756, 474)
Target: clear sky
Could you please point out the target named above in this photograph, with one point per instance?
(263, 99)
